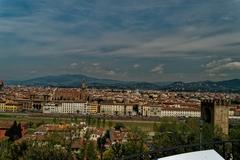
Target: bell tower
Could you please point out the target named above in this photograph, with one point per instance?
(84, 92)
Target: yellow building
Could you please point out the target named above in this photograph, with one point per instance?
(93, 108)
(8, 107)
(2, 103)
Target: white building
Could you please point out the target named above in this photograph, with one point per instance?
(152, 110)
(133, 109)
(51, 108)
(67, 107)
(74, 107)
(112, 109)
(180, 112)
(130, 111)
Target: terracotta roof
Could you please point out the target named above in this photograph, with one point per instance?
(5, 125)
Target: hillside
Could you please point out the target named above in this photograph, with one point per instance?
(76, 80)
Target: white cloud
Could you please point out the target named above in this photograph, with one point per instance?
(136, 66)
(111, 72)
(74, 64)
(222, 67)
(158, 69)
(34, 72)
(216, 63)
(96, 64)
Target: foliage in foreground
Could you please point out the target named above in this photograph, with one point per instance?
(169, 133)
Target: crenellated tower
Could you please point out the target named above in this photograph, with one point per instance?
(216, 112)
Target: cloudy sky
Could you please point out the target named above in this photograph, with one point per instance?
(144, 40)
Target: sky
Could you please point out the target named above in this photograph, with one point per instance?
(138, 40)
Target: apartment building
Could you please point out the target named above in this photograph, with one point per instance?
(8, 107)
(117, 109)
(152, 110)
(180, 112)
(75, 107)
(93, 108)
(67, 107)
(51, 108)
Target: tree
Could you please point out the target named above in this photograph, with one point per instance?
(117, 150)
(19, 130)
(88, 120)
(110, 124)
(155, 127)
(91, 151)
(14, 132)
(136, 142)
(119, 126)
(108, 155)
(171, 133)
(98, 122)
(46, 152)
(235, 134)
(103, 123)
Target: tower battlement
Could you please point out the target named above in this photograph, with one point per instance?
(216, 113)
(217, 102)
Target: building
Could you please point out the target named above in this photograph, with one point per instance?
(180, 112)
(216, 113)
(51, 108)
(9, 107)
(133, 110)
(110, 108)
(74, 107)
(93, 108)
(130, 111)
(73, 94)
(26, 104)
(63, 94)
(152, 110)
(1, 85)
(2, 103)
(66, 107)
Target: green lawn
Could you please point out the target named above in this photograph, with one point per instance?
(144, 125)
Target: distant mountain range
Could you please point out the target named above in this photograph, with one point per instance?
(75, 81)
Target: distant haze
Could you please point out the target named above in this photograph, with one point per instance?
(137, 40)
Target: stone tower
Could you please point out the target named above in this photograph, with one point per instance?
(216, 112)
(1, 85)
(84, 96)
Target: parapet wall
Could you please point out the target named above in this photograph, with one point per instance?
(217, 102)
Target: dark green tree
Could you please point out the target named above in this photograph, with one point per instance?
(98, 122)
(110, 124)
(91, 151)
(103, 123)
(119, 126)
(14, 132)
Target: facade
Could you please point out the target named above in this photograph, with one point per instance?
(74, 107)
(93, 108)
(63, 94)
(130, 111)
(26, 104)
(1, 85)
(133, 110)
(51, 108)
(8, 107)
(216, 113)
(180, 112)
(112, 109)
(152, 110)
(66, 107)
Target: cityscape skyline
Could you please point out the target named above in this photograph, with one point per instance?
(139, 40)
